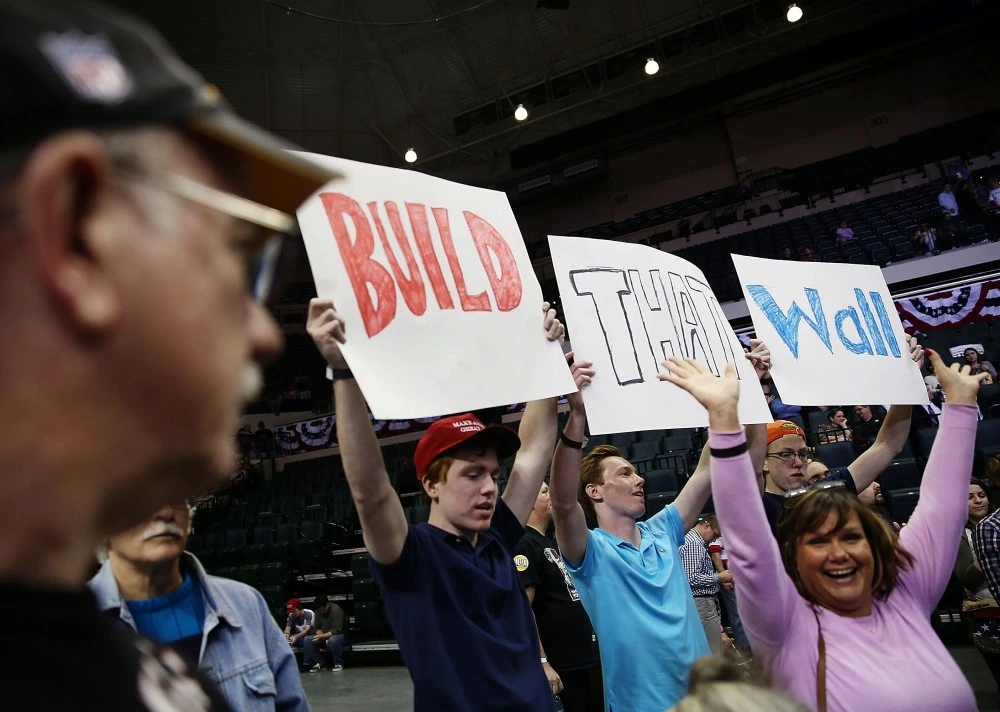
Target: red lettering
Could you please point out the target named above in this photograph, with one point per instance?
(411, 285)
(507, 284)
(361, 268)
(475, 302)
(422, 234)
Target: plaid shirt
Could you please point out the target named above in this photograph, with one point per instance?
(986, 548)
(698, 565)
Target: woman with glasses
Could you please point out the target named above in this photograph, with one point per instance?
(838, 608)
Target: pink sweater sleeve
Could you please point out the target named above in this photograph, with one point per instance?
(934, 530)
(766, 597)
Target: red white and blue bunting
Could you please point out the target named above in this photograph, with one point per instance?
(951, 308)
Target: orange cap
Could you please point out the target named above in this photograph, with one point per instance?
(780, 428)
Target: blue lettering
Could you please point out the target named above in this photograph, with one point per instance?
(866, 312)
(855, 347)
(883, 317)
(787, 326)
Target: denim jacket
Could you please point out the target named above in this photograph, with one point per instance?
(243, 652)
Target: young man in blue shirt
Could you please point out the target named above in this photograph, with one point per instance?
(461, 618)
(629, 574)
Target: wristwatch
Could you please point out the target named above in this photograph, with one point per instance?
(544, 661)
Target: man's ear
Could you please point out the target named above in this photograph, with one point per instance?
(429, 489)
(594, 492)
(66, 195)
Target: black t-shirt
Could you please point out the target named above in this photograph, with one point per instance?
(563, 624)
(773, 503)
(100, 665)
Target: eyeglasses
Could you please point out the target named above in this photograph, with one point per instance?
(818, 486)
(788, 458)
(269, 232)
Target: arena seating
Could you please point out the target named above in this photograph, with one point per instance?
(883, 228)
(974, 136)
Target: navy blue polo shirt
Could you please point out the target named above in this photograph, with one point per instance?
(774, 503)
(463, 622)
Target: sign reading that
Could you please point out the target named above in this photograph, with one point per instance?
(834, 334)
(628, 307)
(442, 308)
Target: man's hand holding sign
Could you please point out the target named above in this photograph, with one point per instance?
(630, 307)
(439, 272)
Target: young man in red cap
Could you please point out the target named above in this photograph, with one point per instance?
(462, 620)
(785, 462)
(299, 623)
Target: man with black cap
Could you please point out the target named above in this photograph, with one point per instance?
(134, 213)
(461, 618)
(328, 631)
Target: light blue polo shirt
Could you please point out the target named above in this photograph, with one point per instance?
(640, 603)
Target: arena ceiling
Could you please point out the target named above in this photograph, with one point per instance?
(367, 79)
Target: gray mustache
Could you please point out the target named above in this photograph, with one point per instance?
(159, 528)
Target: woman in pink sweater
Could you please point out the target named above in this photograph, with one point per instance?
(839, 611)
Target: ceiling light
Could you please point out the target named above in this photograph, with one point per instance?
(652, 66)
(794, 13)
(410, 156)
(520, 113)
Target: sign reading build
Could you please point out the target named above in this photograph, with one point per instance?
(442, 308)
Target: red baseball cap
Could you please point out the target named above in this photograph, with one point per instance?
(450, 432)
(292, 604)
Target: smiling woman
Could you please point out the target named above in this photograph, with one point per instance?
(838, 552)
(838, 609)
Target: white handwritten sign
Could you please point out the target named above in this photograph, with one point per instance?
(442, 308)
(833, 331)
(630, 306)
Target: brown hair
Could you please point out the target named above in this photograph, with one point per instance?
(981, 484)
(591, 474)
(993, 471)
(807, 513)
(437, 471)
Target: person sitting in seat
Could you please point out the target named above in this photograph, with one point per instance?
(836, 430)
(779, 409)
(328, 631)
(925, 240)
(299, 623)
(844, 233)
(869, 422)
(973, 357)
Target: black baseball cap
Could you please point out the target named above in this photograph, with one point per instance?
(67, 64)
(320, 600)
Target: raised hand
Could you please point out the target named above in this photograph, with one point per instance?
(326, 328)
(583, 374)
(760, 357)
(554, 329)
(960, 385)
(720, 396)
(916, 350)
